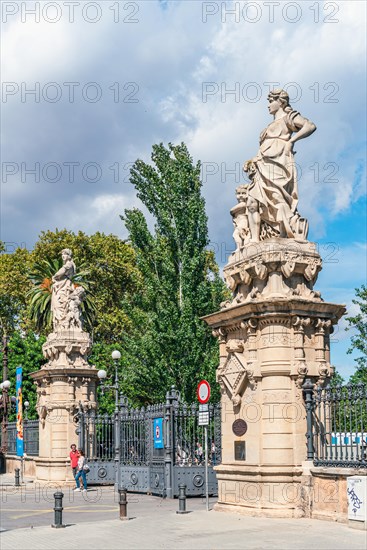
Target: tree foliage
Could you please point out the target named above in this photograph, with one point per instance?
(168, 343)
(103, 261)
(14, 285)
(25, 350)
(358, 323)
(108, 264)
(148, 293)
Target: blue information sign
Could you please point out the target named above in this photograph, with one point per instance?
(158, 433)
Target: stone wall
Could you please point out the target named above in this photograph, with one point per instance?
(324, 493)
(12, 462)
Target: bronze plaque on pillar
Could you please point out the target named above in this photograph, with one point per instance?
(239, 427)
(240, 450)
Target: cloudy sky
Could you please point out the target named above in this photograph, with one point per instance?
(88, 87)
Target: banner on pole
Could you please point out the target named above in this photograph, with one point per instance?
(18, 388)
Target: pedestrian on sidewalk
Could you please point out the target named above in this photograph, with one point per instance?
(74, 455)
(81, 472)
(199, 452)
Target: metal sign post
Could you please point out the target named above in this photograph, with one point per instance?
(206, 469)
(203, 393)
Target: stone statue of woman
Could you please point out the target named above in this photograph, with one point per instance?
(62, 290)
(273, 191)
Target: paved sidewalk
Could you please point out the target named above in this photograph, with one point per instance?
(199, 529)
(92, 523)
(9, 480)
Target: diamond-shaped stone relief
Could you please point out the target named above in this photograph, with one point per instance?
(232, 376)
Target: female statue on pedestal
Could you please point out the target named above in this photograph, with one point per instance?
(62, 290)
(273, 192)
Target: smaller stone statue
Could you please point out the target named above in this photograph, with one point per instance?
(74, 315)
(241, 233)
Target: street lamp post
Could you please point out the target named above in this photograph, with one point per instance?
(102, 375)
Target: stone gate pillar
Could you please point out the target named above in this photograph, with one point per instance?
(275, 330)
(65, 380)
(274, 333)
(61, 386)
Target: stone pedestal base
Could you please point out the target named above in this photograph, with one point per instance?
(60, 392)
(260, 491)
(54, 470)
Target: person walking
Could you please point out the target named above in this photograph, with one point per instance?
(199, 452)
(81, 472)
(74, 455)
(214, 453)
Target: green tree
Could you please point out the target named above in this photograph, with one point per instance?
(358, 323)
(111, 267)
(14, 285)
(168, 343)
(26, 351)
(112, 272)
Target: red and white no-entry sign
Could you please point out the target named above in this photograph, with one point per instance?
(203, 391)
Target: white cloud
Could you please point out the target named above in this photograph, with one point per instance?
(169, 54)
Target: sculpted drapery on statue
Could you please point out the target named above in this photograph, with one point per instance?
(272, 195)
(66, 298)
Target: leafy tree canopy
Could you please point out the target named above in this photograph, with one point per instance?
(110, 266)
(14, 285)
(358, 323)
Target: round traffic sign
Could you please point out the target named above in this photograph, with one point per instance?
(203, 391)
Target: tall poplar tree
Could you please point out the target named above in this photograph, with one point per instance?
(180, 279)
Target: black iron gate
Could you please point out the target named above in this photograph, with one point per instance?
(152, 450)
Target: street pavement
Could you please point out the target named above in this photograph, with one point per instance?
(93, 522)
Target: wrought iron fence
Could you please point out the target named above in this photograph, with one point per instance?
(337, 425)
(189, 436)
(152, 449)
(30, 435)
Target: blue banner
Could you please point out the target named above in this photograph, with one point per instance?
(18, 388)
(158, 433)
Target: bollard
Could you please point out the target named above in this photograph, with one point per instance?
(16, 472)
(123, 503)
(58, 510)
(181, 499)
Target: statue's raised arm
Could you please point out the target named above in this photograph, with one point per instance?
(272, 195)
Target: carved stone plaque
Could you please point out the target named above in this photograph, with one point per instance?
(239, 427)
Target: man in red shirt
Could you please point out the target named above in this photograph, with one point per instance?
(74, 455)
